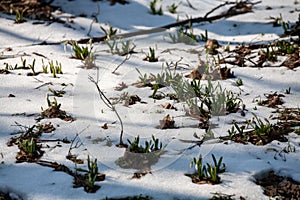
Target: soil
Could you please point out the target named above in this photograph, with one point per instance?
(279, 186)
(139, 161)
(197, 180)
(33, 9)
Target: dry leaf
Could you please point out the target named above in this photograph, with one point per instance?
(167, 122)
(104, 126)
(211, 46)
(168, 106)
(195, 74)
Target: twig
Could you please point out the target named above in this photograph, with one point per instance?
(51, 140)
(176, 64)
(232, 11)
(49, 83)
(94, 19)
(72, 141)
(13, 56)
(190, 5)
(38, 54)
(107, 102)
(254, 63)
(23, 127)
(125, 59)
(237, 9)
(56, 166)
(194, 142)
(219, 6)
(38, 80)
(80, 180)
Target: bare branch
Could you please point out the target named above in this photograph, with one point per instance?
(238, 8)
(95, 19)
(190, 5)
(125, 59)
(107, 102)
(219, 6)
(77, 142)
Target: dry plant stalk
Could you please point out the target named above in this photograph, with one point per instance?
(237, 8)
(107, 102)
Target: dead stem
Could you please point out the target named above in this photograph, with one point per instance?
(107, 102)
(237, 9)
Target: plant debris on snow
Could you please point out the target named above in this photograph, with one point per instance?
(203, 84)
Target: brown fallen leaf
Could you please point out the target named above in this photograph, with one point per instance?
(273, 100)
(211, 46)
(167, 122)
(4, 71)
(225, 73)
(168, 106)
(104, 126)
(195, 74)
(55, 112)
(292, 61)
(48, 128)
(219, 73)
(132, 100)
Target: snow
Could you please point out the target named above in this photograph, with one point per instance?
(167, 180)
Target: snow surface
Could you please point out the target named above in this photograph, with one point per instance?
(167, 181)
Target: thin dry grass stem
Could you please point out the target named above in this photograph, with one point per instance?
(107, 102)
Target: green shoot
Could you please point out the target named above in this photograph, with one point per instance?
(151, 56)
(31, 66)
(91, 174)
(208, 172)
(173, 8)
(239, 82)
(44, 67)
(153, 9)
(19, 16)
(109, 32)
(82, 52)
